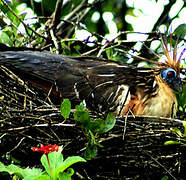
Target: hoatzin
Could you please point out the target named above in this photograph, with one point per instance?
(103, 85)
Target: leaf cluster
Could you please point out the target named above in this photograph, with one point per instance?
(180, 136)
(57, 170)
(91, 127)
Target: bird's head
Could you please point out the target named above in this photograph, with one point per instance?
(172, 79)
(170, 72)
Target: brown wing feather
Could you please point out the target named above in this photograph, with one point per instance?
(95, 80)
(102, 84)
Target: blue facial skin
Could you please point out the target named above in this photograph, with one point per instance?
(170, 77)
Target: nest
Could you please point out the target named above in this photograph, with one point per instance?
(133, 149)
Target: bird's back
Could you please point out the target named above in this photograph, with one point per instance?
(102, 84)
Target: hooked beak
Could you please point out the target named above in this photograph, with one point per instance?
(177, 85)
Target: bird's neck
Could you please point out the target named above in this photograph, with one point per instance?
(161, 102)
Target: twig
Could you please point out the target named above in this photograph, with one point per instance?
(38, 125)
(83, 3)
(125, 126)
(10, 9)
(102, 49)
(14, 77)
(164, 15)
(90, 52)
(55, 41)
(32, 5)
(152, 117)
(52, 27)
(56, 14)
(16, 145)
(159, 164)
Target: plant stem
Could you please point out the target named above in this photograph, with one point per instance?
(49, 166)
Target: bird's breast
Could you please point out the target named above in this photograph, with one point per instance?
(163, 104)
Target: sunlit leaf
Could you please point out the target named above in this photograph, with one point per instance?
(55, 159)
(172, 142)
(66, 164)
(30, 173)
(4, 38)
(65, 108)
(40, 177)
(82, 115)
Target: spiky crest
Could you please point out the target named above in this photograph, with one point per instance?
(171, 55)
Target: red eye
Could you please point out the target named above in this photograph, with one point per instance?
(170, 74)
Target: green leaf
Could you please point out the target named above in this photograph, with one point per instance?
(4, 8)
(69, 172)
(66, 8)
(21, 16)
(3, 168)
(13, 169)
(109, 53)
(55, 160)
(77, 2)
(92, 139)
(8, 30)
(91, 151)
(180, 31)
(45, 163)
(70, 161)
(31, 172)
(66, 164)
(177, 131)
(49, 5)
(82, 115)
(97, 126)
(182, 99)
(66, 175)
(65, 108)
(164, 178)
(27, 173)
(110, 122)
(41, 177)
(101, 125)
(80, 107)
(5, 39)
(172, 143)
